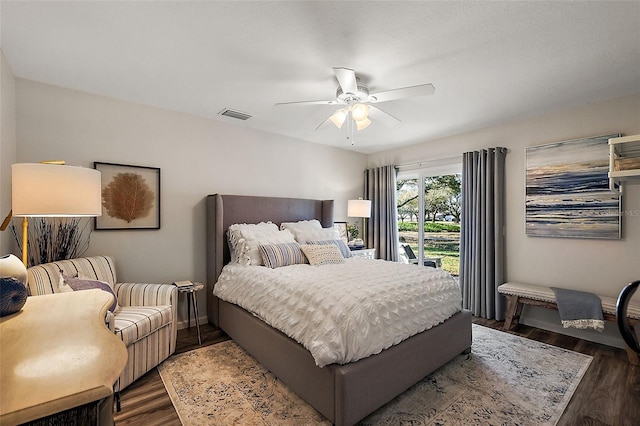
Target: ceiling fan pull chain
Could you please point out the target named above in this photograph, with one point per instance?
(350, 127)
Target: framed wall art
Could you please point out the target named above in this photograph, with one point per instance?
(130, 197)
(342, 231)
(567, 190)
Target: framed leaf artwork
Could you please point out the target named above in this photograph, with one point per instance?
(130, 197)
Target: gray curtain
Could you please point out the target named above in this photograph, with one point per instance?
(382, 229)
(482, 232)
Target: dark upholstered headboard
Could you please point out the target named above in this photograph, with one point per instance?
(225, 210)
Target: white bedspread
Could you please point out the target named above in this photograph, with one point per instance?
(345, 312)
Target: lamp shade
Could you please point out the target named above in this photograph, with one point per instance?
(359, 208)
(339, 117)
(54, 190)
(362, 124)
(360, 111)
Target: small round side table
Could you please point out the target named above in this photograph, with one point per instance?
(191, 291)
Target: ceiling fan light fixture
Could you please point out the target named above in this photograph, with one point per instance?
(338, 118)
(359, 112)
(362, 124)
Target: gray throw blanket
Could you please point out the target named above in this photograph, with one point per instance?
(579, 309)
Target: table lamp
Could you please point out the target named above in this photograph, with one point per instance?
(359, 208)
(53, 190)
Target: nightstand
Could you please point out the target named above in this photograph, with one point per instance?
(366, 253)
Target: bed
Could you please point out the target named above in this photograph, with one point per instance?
(343, 393)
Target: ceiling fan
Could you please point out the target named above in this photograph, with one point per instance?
(355, 96)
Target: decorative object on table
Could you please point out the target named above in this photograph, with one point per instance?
(13, 290)
(342, 229)
(507, 379)
(13, 296)
(567, 190)
(362, 209)
(12, 266)
(130, 197)
(183, 284)
(52, 190)
(55, 238)
(354, 232)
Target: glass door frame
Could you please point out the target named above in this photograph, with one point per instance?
(421, 174)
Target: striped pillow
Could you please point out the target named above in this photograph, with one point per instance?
(322, 254)
(344, 249)
(277, 255)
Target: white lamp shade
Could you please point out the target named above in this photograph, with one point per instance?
(54, 190)
(363, 124)
(360, 112)
(339, 117)
(359, 208)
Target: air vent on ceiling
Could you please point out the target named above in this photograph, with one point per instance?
(228, 112)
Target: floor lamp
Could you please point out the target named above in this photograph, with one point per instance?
(53, 190)
(359, 208)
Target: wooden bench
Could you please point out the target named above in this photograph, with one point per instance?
(519, 295)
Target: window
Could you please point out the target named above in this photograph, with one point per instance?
(429, 216)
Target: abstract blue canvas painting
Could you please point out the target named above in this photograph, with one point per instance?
(567, 190)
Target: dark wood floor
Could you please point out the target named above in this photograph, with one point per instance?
(609, 393)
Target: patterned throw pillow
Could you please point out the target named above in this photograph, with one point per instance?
(344, 249)
(277, 255)
(324, 254)
(67, 284)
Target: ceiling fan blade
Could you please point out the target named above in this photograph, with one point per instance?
(405, 92)
(347, 79)
(331, 102)
(384, 117)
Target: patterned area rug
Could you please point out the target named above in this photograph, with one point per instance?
(507, 379)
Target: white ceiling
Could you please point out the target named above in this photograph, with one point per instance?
(491, 62)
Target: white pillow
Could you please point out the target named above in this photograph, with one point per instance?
(317, 234)
(300, 226)
(253, 238)
(236, 241)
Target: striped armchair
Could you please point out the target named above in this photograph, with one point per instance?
(145, 320)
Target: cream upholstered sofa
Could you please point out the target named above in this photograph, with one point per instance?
(146, 317)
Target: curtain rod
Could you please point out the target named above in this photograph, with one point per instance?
(444, 160)
(437, 160)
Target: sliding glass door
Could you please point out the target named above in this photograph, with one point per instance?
(429, 217)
